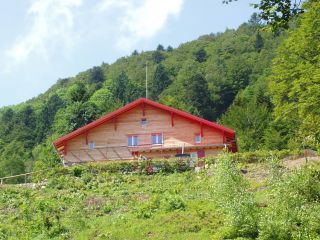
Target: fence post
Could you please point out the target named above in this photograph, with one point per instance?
(1, 181)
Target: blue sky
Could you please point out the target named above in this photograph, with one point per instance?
(44, 40)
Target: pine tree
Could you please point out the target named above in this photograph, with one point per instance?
(169, 49)
(158, 57)
(199, 96)
(160, 48)
(160, 81)
(96, 75)
(135, 53)
(120, 86)
(201, 55)
(258, 44)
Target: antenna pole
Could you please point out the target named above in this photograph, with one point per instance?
(146, 79)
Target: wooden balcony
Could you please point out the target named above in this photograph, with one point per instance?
(115, 153)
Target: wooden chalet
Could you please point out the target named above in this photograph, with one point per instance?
(144, 129)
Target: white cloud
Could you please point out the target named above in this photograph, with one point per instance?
(141, 20)
(51, 27)
(55, 27)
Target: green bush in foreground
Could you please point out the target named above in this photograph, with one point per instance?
(293, 211)
(232, 195)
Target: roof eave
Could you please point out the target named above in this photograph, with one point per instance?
(61, 141)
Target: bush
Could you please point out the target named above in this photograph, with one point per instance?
(173, 202)
(293, 209)
(146, 210)
(232, 196)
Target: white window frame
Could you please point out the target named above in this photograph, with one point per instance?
(197, 136)
(91, 145)
(144, 122)
(159, 138)
(131, 142)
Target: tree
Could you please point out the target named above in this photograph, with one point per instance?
(120, 86)
(201, 55)
(135, 53)
(250, 115)
(255, 21)
(96, 75)
(172, 101)
(7, 121)
(104, 101)
(133, 91)
(27, 116)
(295, 78)
(160, 81)
(78, 92)
(249, 120)
(198, 95)
(157, 57)
(7, 115)
(169, 49)
(160, 48)
(13, 160)
(74, 116)
(277, 13)
(45, 155)
(258, 44)
(46, 116)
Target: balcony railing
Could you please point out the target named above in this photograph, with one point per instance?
(107, 153)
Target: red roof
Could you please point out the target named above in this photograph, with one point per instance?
(61, 141)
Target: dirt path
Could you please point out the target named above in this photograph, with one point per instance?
(291, 164)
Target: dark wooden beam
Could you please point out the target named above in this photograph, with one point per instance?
(116, 153)
(201, 129)
(115, 124)
(86, 137)
(143, 109)
(172, 120)
(76, 157)
(102, 153)
(89, 155)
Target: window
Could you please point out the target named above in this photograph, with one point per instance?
(194, 155)
(157, 138)
(132, 140)
(144, 122)
(197, 138)
(91, 145)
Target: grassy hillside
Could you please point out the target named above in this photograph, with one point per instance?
(265, 201)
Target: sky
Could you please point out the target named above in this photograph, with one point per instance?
(42, 41)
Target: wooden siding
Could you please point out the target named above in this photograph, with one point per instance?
(111, 138)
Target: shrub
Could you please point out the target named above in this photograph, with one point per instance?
(232, 196)
(146, 210)
(173, 202)
(293, 209)
(77, 171)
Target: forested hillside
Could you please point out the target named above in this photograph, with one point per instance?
(263, 84)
